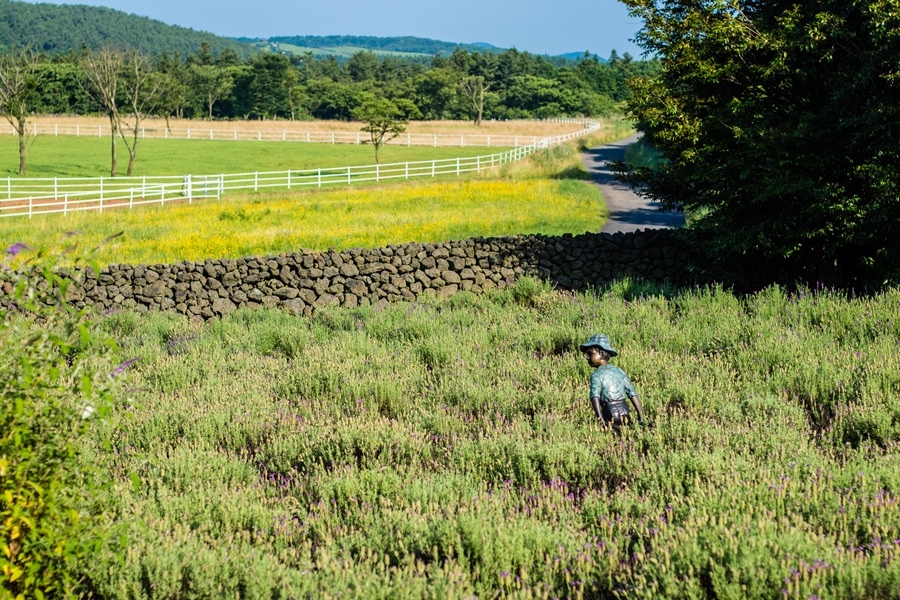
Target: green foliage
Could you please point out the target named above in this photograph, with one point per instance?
(267, 86)
(381, 119)
(447, 449)
(777, 122)
(53, 386)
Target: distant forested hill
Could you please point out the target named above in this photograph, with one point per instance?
(58, 28)
(410, 44)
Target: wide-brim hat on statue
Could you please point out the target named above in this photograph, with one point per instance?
(599, 341)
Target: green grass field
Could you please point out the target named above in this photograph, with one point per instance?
(542, 194)
(341, 217)
(67, 156)
(447, 450)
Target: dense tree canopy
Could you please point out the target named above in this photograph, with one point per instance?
(779, 125)
(510, 85)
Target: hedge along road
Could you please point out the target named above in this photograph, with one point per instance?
(627, 210)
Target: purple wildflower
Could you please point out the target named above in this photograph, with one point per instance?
(16, 248)
(120, 370)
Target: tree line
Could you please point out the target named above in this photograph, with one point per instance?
(507, 85)
(128, 86)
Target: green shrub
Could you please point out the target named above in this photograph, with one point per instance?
(53, 385)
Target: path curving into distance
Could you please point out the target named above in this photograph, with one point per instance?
(627, 210)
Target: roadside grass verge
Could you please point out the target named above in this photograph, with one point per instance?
(447, 449)
(342, 218)
(642, 154)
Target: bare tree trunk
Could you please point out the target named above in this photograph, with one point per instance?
(115, 134)
(23, 143)
(132, 149)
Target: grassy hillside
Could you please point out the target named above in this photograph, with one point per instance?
(402, 45)
(60, 28)
(447, 450)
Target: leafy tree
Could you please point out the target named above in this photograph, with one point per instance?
(362, 66)
(382, 120)
(172, 96)
(473, 89)
(437, 89)
(211, 83)
(270, 86)
(19, 81)
(778, 125)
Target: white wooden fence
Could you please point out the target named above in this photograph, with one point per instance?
(41, 196)
(319, 137)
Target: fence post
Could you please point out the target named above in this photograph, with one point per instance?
(376, 172)
(235, 134)
(210, 134)
(283, 136)
(348, 170)
(407, 169)
(190, 184)
(332, 138)
(256, 181)
(462, 141)
(478, 164)
(78, 131)
(320, 176)
(56, 129)
(143, 132)
(432, 167)
(516, 144)
(289, 179)
(100, 131)
(166, 136)
(259, 136)
(131, 199)
(307, 136)
(408, 140)
(357, 138)
(489, 141)
(144, 187)
(162, 194)
(457, 166)
(435, 140)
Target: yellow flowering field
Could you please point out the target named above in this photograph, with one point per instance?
(352, 217)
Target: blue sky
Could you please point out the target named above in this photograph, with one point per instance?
(540, 27)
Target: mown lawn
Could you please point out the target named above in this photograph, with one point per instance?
(447, 450)
(67, 156)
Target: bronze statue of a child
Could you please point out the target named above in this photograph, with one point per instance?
(610, 386)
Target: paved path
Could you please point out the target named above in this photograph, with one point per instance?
(627, 210)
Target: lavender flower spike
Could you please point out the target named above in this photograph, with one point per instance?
(16, 248)
(120, 370)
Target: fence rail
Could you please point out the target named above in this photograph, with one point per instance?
(319, 137)
(41, 196)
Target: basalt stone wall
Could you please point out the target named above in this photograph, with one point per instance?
(303, 281)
